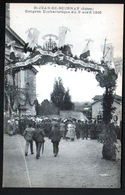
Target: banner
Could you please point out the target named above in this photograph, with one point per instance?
(62, 34)
(107, 53)
(58, 58)
(118, 65)
(85, 55)
(32, 37)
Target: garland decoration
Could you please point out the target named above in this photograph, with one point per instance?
(60, 56)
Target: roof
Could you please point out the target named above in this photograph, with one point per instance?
(34, 69)
(117, 97)
(21, 41)
(99, 98)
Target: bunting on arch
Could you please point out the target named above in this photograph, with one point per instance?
(41, 57)
(34, 54)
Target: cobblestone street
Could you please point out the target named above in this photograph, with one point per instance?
(78, 165)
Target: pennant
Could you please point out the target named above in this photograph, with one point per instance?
(32, 37)
(86, 48)
(85, 55)
(86, 51)
(62, 34)
(107, 53)
(12, 54)
(118, 65)
(12, 50)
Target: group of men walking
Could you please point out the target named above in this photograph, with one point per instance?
(38, 135)
(58, 130)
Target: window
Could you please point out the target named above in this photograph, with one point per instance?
(99, 118)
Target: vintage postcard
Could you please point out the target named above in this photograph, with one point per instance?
(63, 95)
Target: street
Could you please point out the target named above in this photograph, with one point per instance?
(79, 164)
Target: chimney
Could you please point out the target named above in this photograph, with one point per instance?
(7, 14)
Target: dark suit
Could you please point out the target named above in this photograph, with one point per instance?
(55, 139)
(38, 137)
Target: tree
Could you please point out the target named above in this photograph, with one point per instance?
(58, 94)
(47, 108)
(68, 105)
(60, 97)
(108, 109)
(107, 79)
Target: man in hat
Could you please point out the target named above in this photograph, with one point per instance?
(28, 135)
(38, 137)
(55, 139)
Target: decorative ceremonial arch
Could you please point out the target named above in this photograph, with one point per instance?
(39, 56)
(51, 54)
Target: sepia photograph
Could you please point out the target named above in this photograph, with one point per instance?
(63, 74)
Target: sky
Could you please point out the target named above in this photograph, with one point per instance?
(107, 23)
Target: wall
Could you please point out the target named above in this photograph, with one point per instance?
(21, 78)
(96, 108)
(118, 111)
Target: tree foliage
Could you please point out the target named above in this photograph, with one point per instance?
(58, 94)
(108, 109)
(68, 105)
(107, 79)
(60, 97)
(47, 108)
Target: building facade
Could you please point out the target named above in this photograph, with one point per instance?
(97, 109)
(20, 82)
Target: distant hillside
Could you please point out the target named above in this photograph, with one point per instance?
(79, 106)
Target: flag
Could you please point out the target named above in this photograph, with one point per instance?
(62, 34)
(85, 55)
(86, 51)
(108, 56)
(12, 50)
(107, 53)
(86, 48)
(118, 65)
(32, 37)
(12, 54)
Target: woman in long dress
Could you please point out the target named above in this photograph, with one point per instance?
(70, 132)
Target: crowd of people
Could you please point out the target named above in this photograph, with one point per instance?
(34, 128)
(69, 128)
